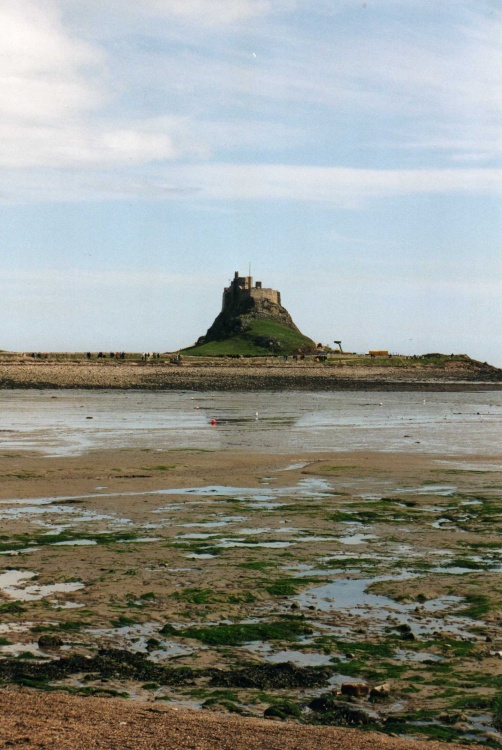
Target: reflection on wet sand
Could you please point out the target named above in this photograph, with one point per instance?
(55, 422)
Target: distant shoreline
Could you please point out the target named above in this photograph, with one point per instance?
(247, 375)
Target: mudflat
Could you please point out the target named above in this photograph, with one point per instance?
(353, 589)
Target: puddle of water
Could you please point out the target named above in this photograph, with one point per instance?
(454, 571)
(356, 538)
(415, 656)
(227, 543)
(287, 530)
(471, 465)
(428, 489)
(199, 556)
(48, 509)
(14, 649)
(315, 538)
(311, 486)
(493, 566)
(351, 555)
(267, 530)
(13, 585)
(318, 572)
(204, 524)
(350, 594)
(23, 551)
(135, 638)
(444, 523)
(299, 658)
(52, 528)
(292, 467)
(483, 723)
(140, 539)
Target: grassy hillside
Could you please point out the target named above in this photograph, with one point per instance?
(260, 338)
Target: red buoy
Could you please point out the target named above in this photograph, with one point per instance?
(213, 422)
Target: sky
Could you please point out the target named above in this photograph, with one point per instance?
(348, 152)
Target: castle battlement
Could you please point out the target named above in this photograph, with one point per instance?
(242, 286)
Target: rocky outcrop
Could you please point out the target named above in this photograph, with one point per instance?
(236, 317)
(246, 306)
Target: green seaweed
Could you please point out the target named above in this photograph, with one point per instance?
(122, 621)
(479, 605)
(286, 629)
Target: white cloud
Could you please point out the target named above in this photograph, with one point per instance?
(44, 73)
(53, 95)
(337, 186)
(78, 144)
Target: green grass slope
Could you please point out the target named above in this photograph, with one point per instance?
(260, 338)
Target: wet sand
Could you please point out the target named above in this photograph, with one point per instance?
(379, 567)
(69, 422)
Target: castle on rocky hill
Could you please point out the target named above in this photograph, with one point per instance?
(255, 316)
(241, 287)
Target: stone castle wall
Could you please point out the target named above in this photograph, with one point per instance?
(242, 286)
(266, 294)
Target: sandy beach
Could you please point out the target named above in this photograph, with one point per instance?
(34, 720)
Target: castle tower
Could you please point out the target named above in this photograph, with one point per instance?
(241, 288)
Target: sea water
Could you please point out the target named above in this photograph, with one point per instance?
(62, 422)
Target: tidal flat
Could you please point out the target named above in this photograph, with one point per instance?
(259, 582)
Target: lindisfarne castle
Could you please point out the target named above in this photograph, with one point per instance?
(254, 315)
(242, 286)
